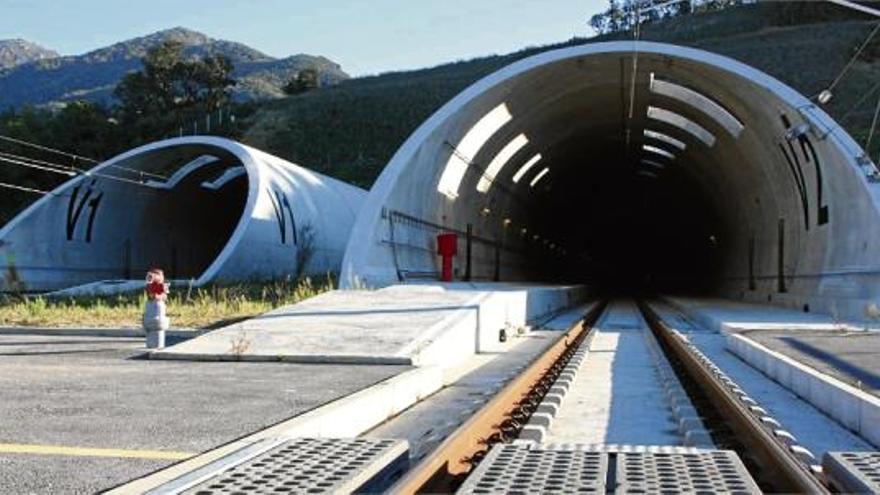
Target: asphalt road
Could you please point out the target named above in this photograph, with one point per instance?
(82, 414)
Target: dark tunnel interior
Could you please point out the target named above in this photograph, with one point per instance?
(630, 227)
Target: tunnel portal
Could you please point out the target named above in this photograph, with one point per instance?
(630, 166)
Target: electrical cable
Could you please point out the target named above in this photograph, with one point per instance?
(37, 167)
(72, 173)
(873, 127)
(853, 59)
(22, 142)
(23, 188)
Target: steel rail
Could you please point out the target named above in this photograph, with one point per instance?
(498, 421)
(790, 475)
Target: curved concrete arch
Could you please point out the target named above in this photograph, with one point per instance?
(224, 212)
(753, 191)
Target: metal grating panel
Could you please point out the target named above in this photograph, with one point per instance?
(716, 471)
(518, 469)
(856, 472)
(312, 465)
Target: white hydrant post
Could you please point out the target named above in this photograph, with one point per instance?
(155, 320)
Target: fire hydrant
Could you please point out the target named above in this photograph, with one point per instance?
(447, 247)
(155, 320)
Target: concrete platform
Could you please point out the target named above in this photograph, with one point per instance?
(406, 324)
(735, 316)
(851, 357)
(823, 412)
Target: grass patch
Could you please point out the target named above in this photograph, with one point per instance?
(196, 307)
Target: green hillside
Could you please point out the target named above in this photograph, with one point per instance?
(351, 131)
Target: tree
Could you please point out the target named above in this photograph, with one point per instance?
(305, 80)
(621, 15)
(168, 84)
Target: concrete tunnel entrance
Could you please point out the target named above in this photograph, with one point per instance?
(630, 166)
(166, 205)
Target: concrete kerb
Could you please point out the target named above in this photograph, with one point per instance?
(268, 358)
(182, 333)
(853, 408)
(346, 417)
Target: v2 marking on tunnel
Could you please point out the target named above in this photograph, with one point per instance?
(281, 205)
(75, 206)
(797, 172)
(21, 448)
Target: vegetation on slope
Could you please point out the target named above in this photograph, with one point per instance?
(350, 131)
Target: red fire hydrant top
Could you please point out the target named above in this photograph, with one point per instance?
(156, 287)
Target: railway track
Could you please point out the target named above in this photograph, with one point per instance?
(621, 399)
(499, 444)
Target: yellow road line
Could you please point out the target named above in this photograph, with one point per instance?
(18, 448)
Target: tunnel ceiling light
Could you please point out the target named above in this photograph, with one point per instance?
(659, 136)
(538, 177)
(683, 123)
(469, 147)
(658, 151)
(499, 161)
(525, 168)
(652, 163)
(648, 174)
(699, 101)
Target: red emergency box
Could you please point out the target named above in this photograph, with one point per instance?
(447, 247)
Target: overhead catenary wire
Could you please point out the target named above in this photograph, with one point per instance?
(75, 157)
(35, 166)
(853, 59)
(23, 188)
(46, 148)
(70, 172)
(873, 127)
(28, 159)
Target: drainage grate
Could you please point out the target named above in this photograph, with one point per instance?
(519, 469)
(575, 468)
(715, 471)
(853, 472)
(313, 465)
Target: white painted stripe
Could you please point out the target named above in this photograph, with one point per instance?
(468, 147)
(682, 123)
(525, 168)
(658, 151)
(500, 160)
(659, 136)
(538, 177)
(699, 101)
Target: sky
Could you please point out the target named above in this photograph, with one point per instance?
(364, 36)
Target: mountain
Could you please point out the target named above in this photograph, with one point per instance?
(94, 75)
(17, 51)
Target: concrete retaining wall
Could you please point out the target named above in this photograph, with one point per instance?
(851, 407)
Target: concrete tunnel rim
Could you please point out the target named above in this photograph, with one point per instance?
(365, 224)
(241, 152)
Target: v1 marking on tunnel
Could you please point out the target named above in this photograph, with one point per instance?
(17, 448)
